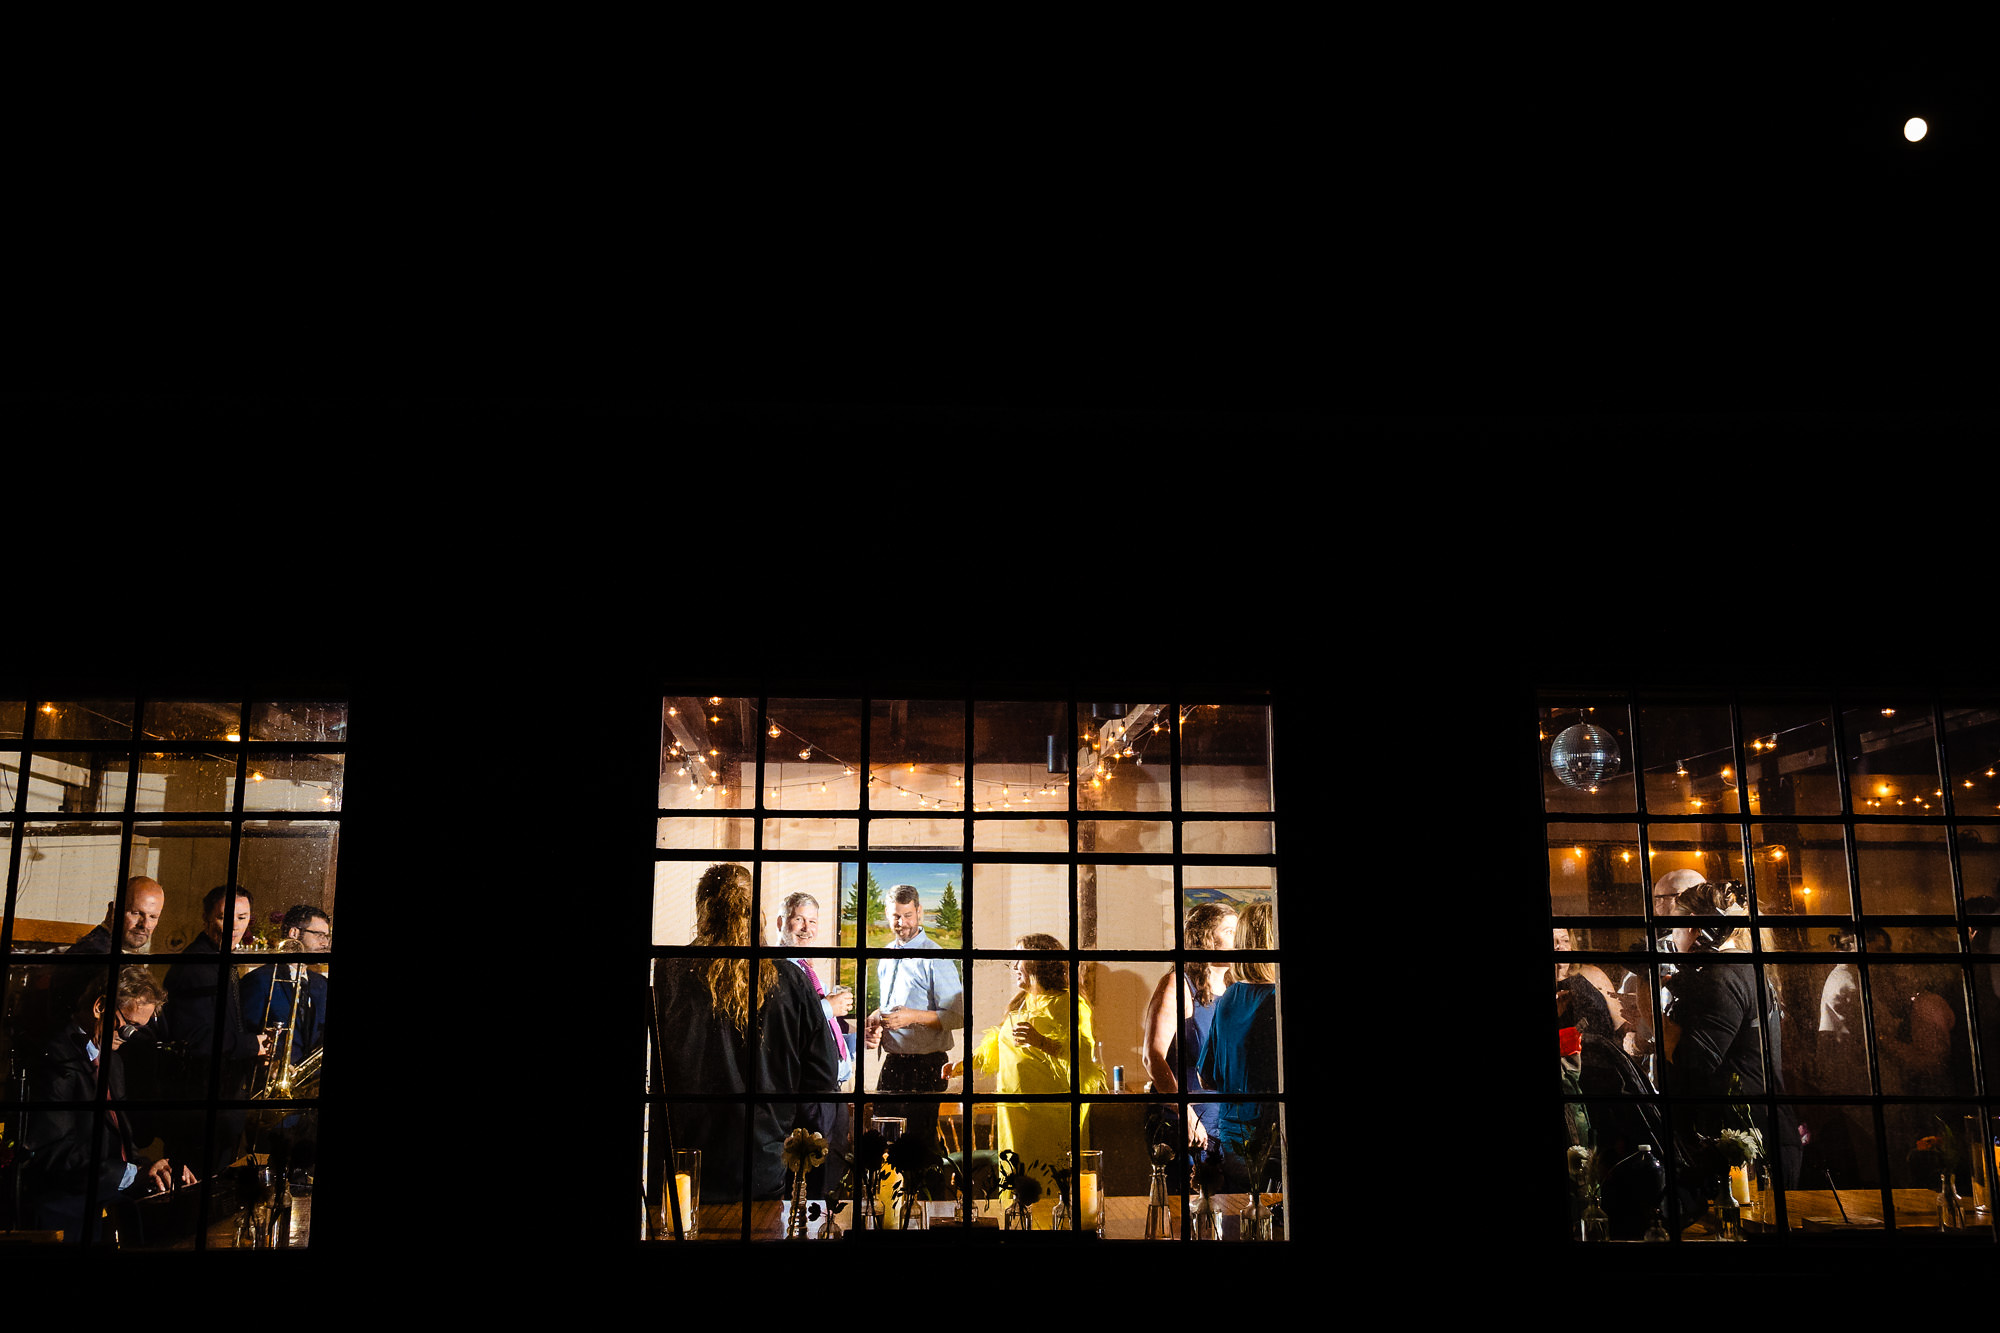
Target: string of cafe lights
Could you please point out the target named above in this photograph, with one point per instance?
(1767, 742)
(809, 749)
(233, 736)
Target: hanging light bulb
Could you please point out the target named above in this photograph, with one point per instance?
(806, 753)
(773, 731)
(673, 711)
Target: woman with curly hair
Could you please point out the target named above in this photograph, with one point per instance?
(708, 1010)
(1032, 1054)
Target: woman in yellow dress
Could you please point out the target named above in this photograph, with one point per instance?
(1031, 1053)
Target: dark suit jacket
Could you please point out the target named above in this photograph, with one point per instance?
(192, 990)
(68, 984)
(703, 1053)
(59, 1138)
(262, 985)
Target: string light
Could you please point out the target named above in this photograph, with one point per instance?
(773, 732)
(673, 711)
(806, 753)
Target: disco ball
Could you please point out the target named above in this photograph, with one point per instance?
(1584, 756)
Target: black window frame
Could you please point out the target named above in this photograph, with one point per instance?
(1177, 696)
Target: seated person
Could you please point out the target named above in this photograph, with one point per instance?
(61, 1143)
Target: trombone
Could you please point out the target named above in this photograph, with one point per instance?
(283, 1077)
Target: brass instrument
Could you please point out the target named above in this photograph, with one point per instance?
(283, 1077)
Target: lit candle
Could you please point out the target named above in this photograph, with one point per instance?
(1739, 1183)
(684, 1184)
(885, 1199)
(1090, 1197)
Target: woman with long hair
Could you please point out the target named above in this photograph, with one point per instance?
(1241, 1052)
(1209, 926)
(709, 1010)
(1030, 1052)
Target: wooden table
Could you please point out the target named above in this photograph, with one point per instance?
(1815, 1210)
(1124, 1216)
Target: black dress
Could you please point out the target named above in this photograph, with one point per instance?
(703, 1053)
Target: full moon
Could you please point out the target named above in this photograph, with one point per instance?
(1914, 128)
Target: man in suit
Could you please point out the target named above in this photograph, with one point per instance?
(800, 927)
(268, 994)
(77, 1155)
(196, 985)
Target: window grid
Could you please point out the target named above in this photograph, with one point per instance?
(20, 821)
(1858, 917)
(864, 857)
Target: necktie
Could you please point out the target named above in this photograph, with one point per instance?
(116, 1127)
(839, 1037)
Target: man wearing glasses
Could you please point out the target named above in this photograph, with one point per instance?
(268, 994)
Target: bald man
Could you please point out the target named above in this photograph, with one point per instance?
(144, 901)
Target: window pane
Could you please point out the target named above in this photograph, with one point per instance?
(1972, 758)
(708, 753)
(1586, 758)
(1020, 835)
(813, 760)
(1825, 1040)
(1225, 757)
(286, 862)
(1594, 870)
(1010, 901)
(1690, 761)
(84, 719)
(1892, 766)
(1789, 750)
(1903, 868)
(812, 835)
(69, 871)
(916, 757)
(1683, 855)
(169, 720)
(1919, 1012)
(1126, 907)
(692, 833)
(1019, 755)
(1220, 838)
(306, 783)
(185, 782)
(298, 720)
(1108, 778)
(77, 782)
(1800, 868)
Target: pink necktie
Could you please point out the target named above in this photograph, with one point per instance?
(839, 1037)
